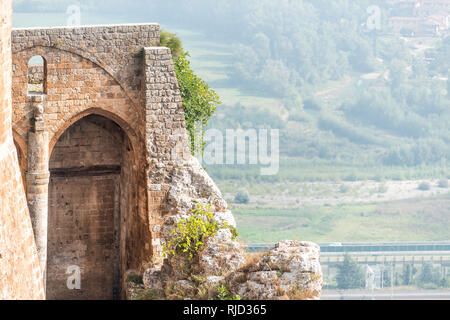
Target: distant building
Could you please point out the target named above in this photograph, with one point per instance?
(421, 18)
(426, 8)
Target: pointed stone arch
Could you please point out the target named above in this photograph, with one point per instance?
(93, 204)
(136, 142)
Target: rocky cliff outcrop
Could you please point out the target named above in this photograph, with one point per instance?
(291, 270)
(190, 184)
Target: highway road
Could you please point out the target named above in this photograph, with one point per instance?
(386, 295)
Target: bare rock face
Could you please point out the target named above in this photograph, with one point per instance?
(260, 285)
(191, 184)
(184, 288)
(290, 271)
(154, 278)
(290, 256)
(221, 254)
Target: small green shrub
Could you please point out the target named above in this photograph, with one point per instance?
(242, 197)
(224, 294)
(313, 104)
(382, 188)
(57, 43)
(190, 233)
(344, 188)
(135, 278)
(234, 232)
(149, 294)
(139, 53)
(424, 186)
(443, 183)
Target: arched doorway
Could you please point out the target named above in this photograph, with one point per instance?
(90, 196)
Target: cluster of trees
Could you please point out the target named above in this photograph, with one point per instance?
(351, 275)
(283, 48)
(422, 152)
(429, 277)
(413, 107)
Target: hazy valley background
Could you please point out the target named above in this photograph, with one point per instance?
(363, 113)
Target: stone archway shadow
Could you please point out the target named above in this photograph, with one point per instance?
(91, 205)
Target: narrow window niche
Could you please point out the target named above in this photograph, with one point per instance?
(37, 76)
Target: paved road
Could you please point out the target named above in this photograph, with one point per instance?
(386, 295)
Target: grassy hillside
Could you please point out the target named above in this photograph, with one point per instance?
(337, 122)
(418, 220)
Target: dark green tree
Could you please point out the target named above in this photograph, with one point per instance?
(242, 197)
(407, 274)
(387, 275)
(350, 275)
(448, 84)
(428, 276)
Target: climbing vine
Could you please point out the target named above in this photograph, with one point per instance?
(199, 100)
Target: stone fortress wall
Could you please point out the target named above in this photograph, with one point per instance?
(97, 146)
(20, 274)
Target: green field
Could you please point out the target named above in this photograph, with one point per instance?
(417, 220)
(300, 170)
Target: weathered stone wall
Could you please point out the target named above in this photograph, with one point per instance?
(87, 67)
(166, 137)
(106, 71)
(20, 274)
